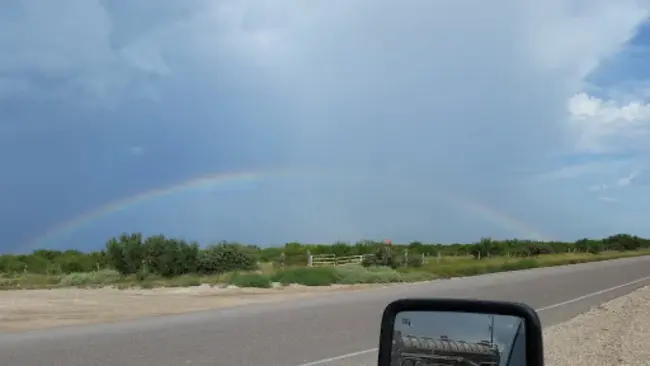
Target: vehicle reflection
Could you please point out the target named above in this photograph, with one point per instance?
(410, 350)
(423, 338)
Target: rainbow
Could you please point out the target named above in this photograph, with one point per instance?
(209, 181)
(499, 218)
(212, 181)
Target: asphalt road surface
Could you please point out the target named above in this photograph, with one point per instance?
(334, 330)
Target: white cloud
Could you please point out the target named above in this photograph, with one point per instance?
(627, 180)
(607, 129)
(608, 199)
(607, 126)
(63, 51)
(598, 187)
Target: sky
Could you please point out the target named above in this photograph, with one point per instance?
(268, 121)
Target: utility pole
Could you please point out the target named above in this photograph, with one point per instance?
(491, 329)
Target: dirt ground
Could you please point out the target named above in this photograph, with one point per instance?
(613, 333)
(22, 310)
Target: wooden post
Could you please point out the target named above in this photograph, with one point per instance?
(388, 255)
(406, 258)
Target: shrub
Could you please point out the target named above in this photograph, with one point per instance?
(520, 264)
(415, 261)
(309, 276)
(250, 280)
(102, 277)
(185, 281)
(357, 274)
(417, 276)
(226, 257)
(106, 276)
(369, 260)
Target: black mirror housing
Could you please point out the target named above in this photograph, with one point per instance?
(532, 345)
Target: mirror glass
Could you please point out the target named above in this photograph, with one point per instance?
(423, 338)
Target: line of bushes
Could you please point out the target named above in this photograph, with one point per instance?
(130, 253)
(159, 261)
(323, 276)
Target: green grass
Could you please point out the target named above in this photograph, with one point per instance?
(467, 266)
(98, 278)
(259, 280)
(320, 276)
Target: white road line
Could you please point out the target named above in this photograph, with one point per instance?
(592, 294)
(347, 355)
(580, 298)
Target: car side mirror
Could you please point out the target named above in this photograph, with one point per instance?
(422, 332)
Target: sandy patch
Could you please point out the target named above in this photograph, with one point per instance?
(36, 309)
(614, 333)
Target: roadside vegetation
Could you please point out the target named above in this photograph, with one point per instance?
(156, 261)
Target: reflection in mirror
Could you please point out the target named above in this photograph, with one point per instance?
(423, 338)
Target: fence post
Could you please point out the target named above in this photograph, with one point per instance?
(282, 260)
(406, 258)
(309, 259)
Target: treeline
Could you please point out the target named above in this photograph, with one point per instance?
(133, 254)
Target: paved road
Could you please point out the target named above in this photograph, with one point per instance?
(310, 331)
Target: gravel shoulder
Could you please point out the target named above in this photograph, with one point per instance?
(614, 333)
(22, 310)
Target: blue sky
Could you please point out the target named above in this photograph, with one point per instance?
(437, 121)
